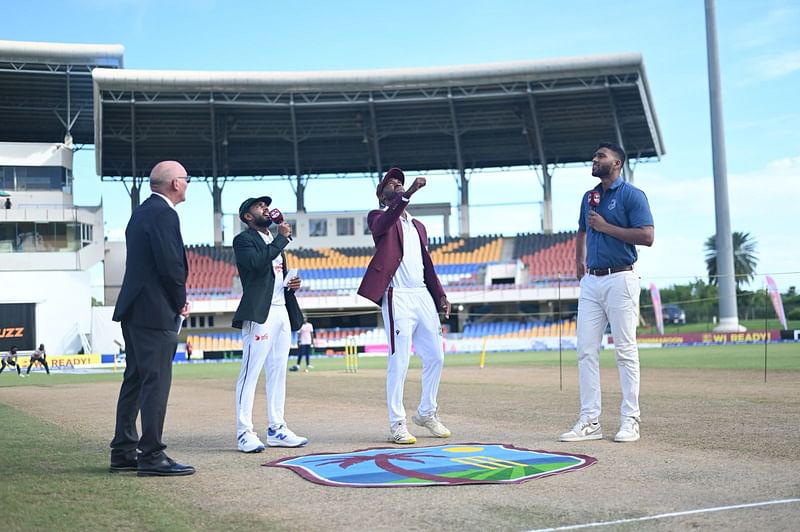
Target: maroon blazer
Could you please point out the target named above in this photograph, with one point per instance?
(387, 232)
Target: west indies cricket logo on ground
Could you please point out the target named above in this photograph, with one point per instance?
(441, 465)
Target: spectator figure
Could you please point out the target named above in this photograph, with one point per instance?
(10, 359)
(189, 349)
(41, 357)
(8, 203)
(305, 341)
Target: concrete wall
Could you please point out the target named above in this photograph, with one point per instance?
(63, 304)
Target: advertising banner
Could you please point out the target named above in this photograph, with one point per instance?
(17, 326)
(777, 303)
(655, 295)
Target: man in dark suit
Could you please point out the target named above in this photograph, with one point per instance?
(151, 306)
(263, 318)
(401, 279)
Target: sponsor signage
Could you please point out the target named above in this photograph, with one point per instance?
(18, 326)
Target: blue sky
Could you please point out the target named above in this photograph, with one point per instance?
(760, 62)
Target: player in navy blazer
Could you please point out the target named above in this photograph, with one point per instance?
(150, 307)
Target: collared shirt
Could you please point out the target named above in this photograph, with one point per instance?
(410, 273)
(169, 201)
(623, 205)
(278, 297)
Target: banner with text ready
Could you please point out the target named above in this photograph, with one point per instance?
(777, 303)
(18, 326)
(65, 361)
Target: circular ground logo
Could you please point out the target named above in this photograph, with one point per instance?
(441, 465)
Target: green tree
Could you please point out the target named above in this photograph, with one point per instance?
(744, 258)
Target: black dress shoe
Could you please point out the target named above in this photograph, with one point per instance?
(118, 466)
(165, 468)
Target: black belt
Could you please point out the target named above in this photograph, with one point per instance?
(605, 271)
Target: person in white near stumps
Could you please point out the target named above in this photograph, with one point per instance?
(615, 217)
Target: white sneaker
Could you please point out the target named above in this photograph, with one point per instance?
(583, 430)
(628, 430)
(309, 367)
(249, 443)
(399, 434)
(284, 437)
(432, 423)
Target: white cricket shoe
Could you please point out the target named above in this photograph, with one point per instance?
(398, 433)
(583, 430)
(249, 443)
(432, 423)
(628, 430)
(284, 437)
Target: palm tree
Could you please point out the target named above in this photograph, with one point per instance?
(744, 258)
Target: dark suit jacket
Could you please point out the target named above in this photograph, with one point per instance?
(154, 287)
(254, 262)
(387, 232)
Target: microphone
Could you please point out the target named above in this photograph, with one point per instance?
(593, 199)
(277, 217)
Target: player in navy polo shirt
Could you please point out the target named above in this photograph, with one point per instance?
(614, 219)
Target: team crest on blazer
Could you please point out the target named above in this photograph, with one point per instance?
(441, 465)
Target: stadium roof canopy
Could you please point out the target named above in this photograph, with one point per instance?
(46, 89)
(307, 123)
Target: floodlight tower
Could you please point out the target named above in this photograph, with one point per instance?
(728, 311)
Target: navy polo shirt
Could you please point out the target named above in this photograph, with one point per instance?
(623, 205)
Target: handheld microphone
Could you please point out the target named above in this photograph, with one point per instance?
(277, 217)
(593, 199)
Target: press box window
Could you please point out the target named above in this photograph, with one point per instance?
(318, 227)
(345, 226)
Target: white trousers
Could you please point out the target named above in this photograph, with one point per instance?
(410, 316)
(266, 345)
(608, 299)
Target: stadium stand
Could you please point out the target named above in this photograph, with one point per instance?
(519, 329)
(546, 255)
(460, 263)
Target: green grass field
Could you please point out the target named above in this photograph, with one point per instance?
(55, 478)
(780, 357)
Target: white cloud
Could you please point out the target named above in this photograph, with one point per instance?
(774, 66)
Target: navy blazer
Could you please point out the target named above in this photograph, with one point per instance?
(254, 262)
(387, 233)
(153, 290)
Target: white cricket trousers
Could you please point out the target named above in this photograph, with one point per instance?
(610, 298)
(410, 316)
(266, 345)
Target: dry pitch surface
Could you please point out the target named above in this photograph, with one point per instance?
(709, 439)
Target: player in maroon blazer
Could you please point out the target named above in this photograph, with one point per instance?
(401, 279)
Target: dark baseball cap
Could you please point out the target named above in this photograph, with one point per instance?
(246, 204)
(392, 173)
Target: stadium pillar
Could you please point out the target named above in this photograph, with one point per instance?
(300, 189)
(547, 175)
(135, 180)
(547, 205)
(216, 195)
(216, 190)
(627, 173)
(463, 182)
(375, 142)
(728, 311)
